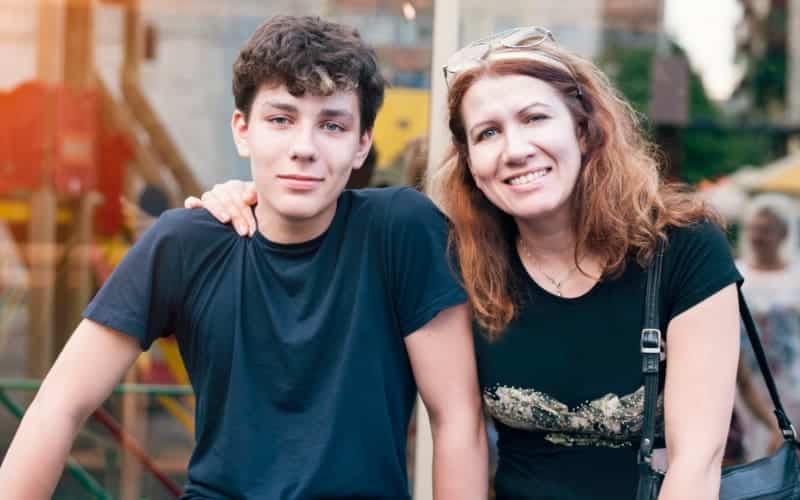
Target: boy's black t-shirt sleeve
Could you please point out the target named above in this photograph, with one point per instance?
(142, 295)
(421, 279)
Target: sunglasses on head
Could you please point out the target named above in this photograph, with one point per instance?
(509, 44)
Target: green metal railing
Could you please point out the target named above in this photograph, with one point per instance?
(30, 385)
(73, 468)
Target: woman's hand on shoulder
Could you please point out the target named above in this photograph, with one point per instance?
(229, 203)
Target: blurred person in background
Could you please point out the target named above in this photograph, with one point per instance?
(150, 204)
(772, 289)
(415, 162)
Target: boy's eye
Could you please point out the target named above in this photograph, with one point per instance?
(332, 127)
(278, 120)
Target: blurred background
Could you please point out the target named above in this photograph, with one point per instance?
(112, 111)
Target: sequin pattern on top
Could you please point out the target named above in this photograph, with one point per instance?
(609, 421)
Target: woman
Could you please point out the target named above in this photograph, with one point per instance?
(772, 289)
(556, 210)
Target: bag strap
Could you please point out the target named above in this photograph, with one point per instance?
(653, 353)
(787, 428)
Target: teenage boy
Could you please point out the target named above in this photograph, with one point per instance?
(305, 344)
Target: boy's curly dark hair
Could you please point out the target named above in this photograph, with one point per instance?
(308, 54)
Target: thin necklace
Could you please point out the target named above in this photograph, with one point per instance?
(556, 283)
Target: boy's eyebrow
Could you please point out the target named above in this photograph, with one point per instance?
(336, 113)
(279, 105)
(340, 113)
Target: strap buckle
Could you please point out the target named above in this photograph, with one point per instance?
(645, 452)
(791, 432)
(787, 427)
(651, 342)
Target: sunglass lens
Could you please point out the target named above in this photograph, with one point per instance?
(466, 57)
(525, 39)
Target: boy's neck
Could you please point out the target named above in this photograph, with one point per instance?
(285, 231)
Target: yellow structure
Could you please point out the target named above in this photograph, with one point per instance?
(783, 176)
(404, 116)
(18, 212)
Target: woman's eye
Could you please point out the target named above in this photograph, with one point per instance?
(536, 118)
(486, 134)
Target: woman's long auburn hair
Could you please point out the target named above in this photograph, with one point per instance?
(621, 207)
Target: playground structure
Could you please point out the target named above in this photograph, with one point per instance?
(69, 147)
(91, 487)
(67, 140)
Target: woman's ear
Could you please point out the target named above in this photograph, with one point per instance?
(582, 132)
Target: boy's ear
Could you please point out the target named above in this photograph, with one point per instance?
(364, 145)
(239, 129)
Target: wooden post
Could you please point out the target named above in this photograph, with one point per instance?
(74, 283)
(50, 38)
(74, 286)
(117, 116)
(134, 421)
(134, 418)
(669, 108)
(445, 41)
(793, 73)
(132, 55)
(42, 260)
(160, 139)
(42, 222)
(79, 45)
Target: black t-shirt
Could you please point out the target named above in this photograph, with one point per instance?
(295, 352)
(564, 385)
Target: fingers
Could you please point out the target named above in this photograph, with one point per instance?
(250, 198)
(192, 202)
(229, 203)
(226, 203)
(238, 197)
(212, 201)
(250, 193)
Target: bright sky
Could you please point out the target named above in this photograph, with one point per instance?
(706, 30)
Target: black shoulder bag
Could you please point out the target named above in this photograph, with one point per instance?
(776, 477)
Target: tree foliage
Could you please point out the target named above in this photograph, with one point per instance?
(712, 145)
